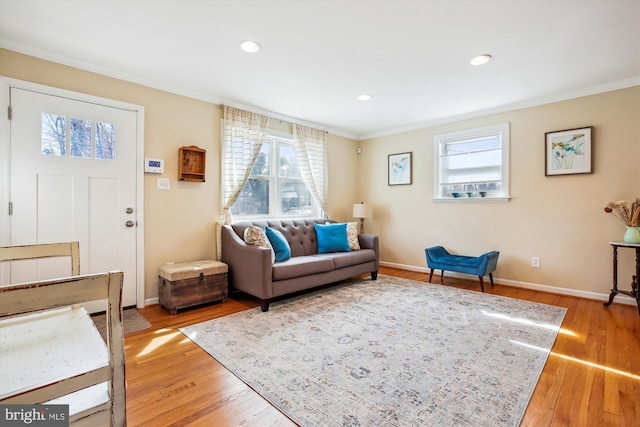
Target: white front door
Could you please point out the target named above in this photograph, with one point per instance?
(73, 177)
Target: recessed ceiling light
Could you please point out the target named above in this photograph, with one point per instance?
(250, 46)
(364, 97)
(481, 59)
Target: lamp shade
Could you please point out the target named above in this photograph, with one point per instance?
(361, 210)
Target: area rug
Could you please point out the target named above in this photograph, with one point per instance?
(391, 352)
(132, 321)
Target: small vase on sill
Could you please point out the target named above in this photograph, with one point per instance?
(632, 235)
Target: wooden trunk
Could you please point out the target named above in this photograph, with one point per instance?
(192, 283)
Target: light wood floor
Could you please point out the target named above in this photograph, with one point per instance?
(592, 377)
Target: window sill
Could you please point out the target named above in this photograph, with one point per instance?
(501, 199)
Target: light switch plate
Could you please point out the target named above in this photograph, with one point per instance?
(164, 184)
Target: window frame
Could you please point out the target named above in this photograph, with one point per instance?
(276, 139)
(501, 131)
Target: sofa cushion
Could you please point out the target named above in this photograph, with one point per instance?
(346, 259)
(301, 266)
(279, 243)
(332, 238)
(256, 236)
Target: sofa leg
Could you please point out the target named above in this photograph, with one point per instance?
(481, 283)
(430, 275)
(491, 278)
(442, 277)
(374, 275)
(264, 305)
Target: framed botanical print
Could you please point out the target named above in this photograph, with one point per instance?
(400, 169)
(568, 151)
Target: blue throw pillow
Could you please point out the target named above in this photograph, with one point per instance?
(279, 243)
(332, 238)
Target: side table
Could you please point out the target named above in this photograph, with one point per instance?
(635, 287)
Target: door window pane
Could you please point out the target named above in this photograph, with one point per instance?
(80, 136)
(53, 134)
(105, 141)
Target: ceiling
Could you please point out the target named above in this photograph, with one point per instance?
(317, 56)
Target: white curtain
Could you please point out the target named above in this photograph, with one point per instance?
(311, 154)
(242, 135)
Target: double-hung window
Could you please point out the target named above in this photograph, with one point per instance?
(472, 164)
(275, 188)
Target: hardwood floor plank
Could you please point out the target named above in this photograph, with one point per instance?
(591, 378)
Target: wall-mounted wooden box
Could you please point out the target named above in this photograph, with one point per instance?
(191, 163)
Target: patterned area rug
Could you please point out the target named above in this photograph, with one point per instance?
(391, 352)
(132, 321)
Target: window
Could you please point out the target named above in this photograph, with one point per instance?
(472, 164)
(83, 138)
(275, 187)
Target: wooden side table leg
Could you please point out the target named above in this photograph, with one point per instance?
(635, 285)
(614, 290)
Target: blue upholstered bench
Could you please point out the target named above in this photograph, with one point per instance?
(438, 257)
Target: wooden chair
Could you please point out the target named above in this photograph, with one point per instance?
(51, 351)
(70, 249)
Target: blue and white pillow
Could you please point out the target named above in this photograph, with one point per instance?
(256, 236)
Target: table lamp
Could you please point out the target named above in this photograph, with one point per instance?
(362, 211)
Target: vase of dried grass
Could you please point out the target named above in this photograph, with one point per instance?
(632, 235)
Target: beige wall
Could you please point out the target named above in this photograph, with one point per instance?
(559, 219)
(180, 223)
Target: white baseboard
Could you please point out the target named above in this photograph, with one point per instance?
(621, 298)
(152, 301)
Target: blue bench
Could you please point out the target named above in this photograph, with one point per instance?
(438, 257)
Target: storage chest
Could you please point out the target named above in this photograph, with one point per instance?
(192, 283)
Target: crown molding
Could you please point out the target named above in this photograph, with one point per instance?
(579, 93)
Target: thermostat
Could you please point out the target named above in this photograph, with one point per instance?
(153, 165)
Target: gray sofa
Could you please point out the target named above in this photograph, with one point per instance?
(251, 270)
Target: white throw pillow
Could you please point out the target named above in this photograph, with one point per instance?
(256, 236)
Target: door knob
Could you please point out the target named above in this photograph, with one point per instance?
(129, 223)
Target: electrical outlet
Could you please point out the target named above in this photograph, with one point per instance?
(535, 262)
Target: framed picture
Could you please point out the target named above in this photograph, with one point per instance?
(400, 169)
(568, 151)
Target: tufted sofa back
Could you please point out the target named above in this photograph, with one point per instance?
(300, 233)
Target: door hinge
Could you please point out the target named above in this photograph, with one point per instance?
(10, 208)
(10, 112)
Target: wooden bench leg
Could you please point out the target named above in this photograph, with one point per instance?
(442, 277)
(491, 278)
(481, 283)
(430, 275)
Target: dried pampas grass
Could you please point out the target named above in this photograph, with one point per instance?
(630, 216)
